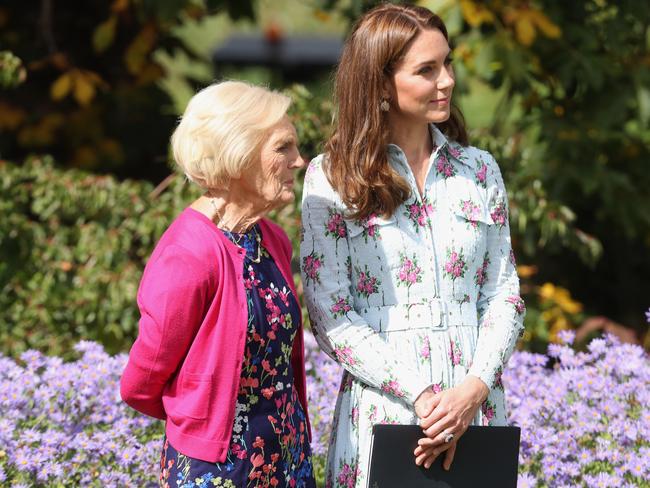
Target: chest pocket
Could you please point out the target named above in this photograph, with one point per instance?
(469, 220)
(374, 245)
(470, 227)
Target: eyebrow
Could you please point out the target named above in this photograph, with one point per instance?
(284, 140)
(431, 61)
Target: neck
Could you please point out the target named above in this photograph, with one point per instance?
(230, 211)
(413, 139)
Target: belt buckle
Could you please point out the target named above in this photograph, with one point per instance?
(444, 314)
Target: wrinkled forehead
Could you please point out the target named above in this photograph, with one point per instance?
(283, 131)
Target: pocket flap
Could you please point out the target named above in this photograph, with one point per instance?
(368, 225)
(473, 212)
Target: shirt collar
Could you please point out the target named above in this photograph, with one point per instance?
(454, 151)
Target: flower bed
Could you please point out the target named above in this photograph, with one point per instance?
(585, 421)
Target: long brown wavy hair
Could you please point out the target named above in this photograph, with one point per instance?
(357, 162)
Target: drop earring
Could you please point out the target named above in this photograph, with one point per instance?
(384, 105)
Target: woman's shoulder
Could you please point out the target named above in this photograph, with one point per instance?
(190, 239)
(473, 154)
(317, 185)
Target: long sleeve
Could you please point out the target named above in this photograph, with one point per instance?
(326, 273)
(501, 309)
(172, 300)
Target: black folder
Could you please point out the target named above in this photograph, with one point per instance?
(486, 457)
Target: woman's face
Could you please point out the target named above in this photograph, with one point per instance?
(423, 81)
(270, 179)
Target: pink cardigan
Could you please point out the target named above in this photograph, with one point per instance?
(185, 365)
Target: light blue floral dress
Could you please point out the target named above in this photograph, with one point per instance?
(423, 297)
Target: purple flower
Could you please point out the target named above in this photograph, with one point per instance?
(583, 421)
(64, 423)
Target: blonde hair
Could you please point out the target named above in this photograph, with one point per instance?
(222, 130)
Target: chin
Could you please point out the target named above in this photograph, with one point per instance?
(285, 198)
(439, 117)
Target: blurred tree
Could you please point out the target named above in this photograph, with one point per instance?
(571, 130)
(92, 97)
(566, 88)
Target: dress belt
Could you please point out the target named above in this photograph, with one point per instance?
(434, 314)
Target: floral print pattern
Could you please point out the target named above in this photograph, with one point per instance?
(311, 265)
(416, 299)
(340, 307)
(419, 213)
(409, 272)
(456, 266)
(269, 445)
(471, 211)
(366, 283)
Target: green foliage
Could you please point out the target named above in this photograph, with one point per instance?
(73, 245)
(12, 71)
(72, 250)
(94, 96)
(570, 131)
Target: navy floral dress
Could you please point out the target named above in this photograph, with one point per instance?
(269, 446)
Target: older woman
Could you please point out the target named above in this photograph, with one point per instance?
(407, 262)
(219, 354)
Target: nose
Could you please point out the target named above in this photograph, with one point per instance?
(446, 79)
(297, 163)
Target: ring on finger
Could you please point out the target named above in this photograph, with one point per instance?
(448, 437)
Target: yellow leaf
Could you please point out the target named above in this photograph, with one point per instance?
(525, 30)
(151, 72)
(120, 5)
(476, 13)
(136, 54)
(61, 87)
(4, 17)
(104, 34)
(84, 89)
(547, 291)
(321, 15)
(10, 117)
(548, 28)
(559, 325)
(526, 271)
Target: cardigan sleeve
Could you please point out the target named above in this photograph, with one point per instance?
(501, 309)
(172, 299)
